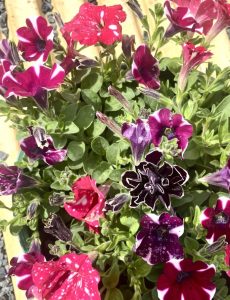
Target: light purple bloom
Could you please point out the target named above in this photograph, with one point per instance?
(163, 123)
(35, 40)
(41, 146)
(34, 82)
(139, 135)
(158, 239)
(145, 68)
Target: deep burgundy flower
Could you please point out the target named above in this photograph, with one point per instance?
(70, 277)
(192, 57)
(145, 67)
(21, 267)
(35, 40)
(164, 123)
(217, 220)
(154, 181)
(55, 226)
(187, 280)
(34, 82)
(190, 15)
(158, 239)
(41, 146)
(88, 202)
(139, 135)
(12, 179)
(96, 24)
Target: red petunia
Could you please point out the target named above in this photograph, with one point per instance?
(96, 24)
(88, 202)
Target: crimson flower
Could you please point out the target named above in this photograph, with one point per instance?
(217, 220)
(70, 277)
(88, 202)
(227, 258)
(35, 40)
(192, 57)
(34, 82)
(190, 15)
(145, 68)
(163, 123)
(187, 280)
(96, 24)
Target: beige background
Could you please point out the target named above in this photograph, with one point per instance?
(18, 11)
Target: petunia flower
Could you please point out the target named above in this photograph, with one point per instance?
(158, 239)
(21, 267)
(95, 24)
(227, 258)
(88, 202)
(139, 135)
(190, 15)
(192, 57)
(152, 181)
(70, 277)
(116, 203)
(34, 82)
(164, 123)
(8, 51)
(217, 220)
(41, 146)
(12, 179)
(145, 68)
(187, 280)
(35, 40)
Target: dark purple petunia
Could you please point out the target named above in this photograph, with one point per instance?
(184, 279)
(145, 68)
(12, 179)
(34, 82)
(217, 220)
(139, 135)
(163, 123)
(116, 203)
(158, 239)
(35, 40)
(153, 181)
(41, 146)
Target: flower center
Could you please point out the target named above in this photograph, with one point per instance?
(221, 218)
(154, 183)
(40, 45)
(169, 134)
(182, 276)
(162, 233)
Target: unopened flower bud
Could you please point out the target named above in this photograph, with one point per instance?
(112, 125)
(118, 95)
(57, 199)
(31, 210)
(55, 226)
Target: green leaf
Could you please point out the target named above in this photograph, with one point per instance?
(3, 225)
(196, 219)
(76, 150)
(142, 268)
(16, 224)
(111, 104)
(69, 112)
(2, 205)
(93, 82)
(85, 116)
(191, 244)
(99, 145)
(223, 108)
(130, 219)
(90, 97)
(71, 128)
(96, 129)
(113, 294)
(111, 277)
(115, 175)
(91, 162)
(102, 172)
(59, 140)
(113, 153)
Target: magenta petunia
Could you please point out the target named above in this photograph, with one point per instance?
(164, 123)
(145, 68)
(70, 277)
(190, 15)
(95, 24)
(34, 82)
(187, 280)
(35, 40)
(217, 220)
(227, 258)
(158, 239)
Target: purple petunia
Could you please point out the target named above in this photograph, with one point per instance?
(152, 181)
(163, 123)
(158, 239)
(145, 68)
(35, 40)
(41, 146)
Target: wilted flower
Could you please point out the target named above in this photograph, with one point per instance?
(145, 68)
(115, 204)
(88, 202)
(96, 24)
(158, 239)
(189, 15)
(187, 280)
(41, 146)
(152, 181)
(35, 40)
(34, 82)
(192, 57)
(217, 220)
(163, 123)
(70, 277)
(139, 135)
(127, 44)
(57, 199)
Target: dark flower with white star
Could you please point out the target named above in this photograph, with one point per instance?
(153, 180)
(158, 239)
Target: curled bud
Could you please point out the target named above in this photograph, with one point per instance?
(116, 203)
(112, 125)
(31, 210)
(128, 44)
(118, 95)
(55, 226)
(135, 6)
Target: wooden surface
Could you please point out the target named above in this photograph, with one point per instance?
(19, 10)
